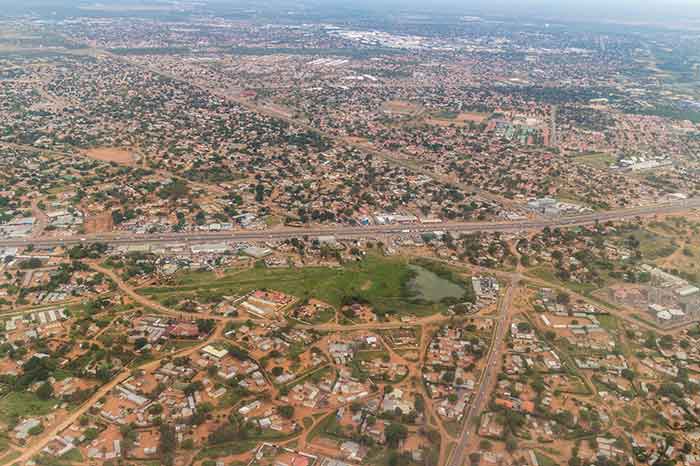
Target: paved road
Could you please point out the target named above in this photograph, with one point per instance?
(459, 454)
(359, 232)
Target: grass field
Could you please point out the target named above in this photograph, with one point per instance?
(377, 280)
(9, 456)
(321, 427)
(232, 448)
(545, 460)
(23, 404)
(73, 456)
(609, 323)
(654, 246)
(547, 274)
(598, 160)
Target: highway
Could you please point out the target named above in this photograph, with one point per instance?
(126, 238)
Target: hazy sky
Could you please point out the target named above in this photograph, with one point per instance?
(632, 10)
(591, 9)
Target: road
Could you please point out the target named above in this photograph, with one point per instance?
(459, 454)
(142, 300)
(126, 238)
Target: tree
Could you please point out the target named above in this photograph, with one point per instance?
(91, 434)
(45, 391)
(168, 444)
(563, 298)
(193, 387)
(188, 444)
(286, 411)
(355, 406)
(140, 343)
(419, 404)
(524, 327)
(448, 377)
(511, 443)
(666, 341)
(36, 430)
(206, 326)
(155, 409)
(395, 434)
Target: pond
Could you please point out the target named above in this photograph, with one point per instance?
(430, 287)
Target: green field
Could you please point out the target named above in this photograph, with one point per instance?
(608, 322)
(654, 246)
(546, 273)
(232, 448)
(23, 404)
(544, 460)
(8, 456)
(381, 282)
(598, 160)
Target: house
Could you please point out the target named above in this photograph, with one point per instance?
(216, 353)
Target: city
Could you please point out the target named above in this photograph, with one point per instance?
(314, 234)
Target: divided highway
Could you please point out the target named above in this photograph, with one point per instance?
(125, 238)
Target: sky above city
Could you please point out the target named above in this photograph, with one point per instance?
(652, 11)
(590, 9)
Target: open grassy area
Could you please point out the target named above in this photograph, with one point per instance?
(546, 273)
(73, 456)
(597, 160)
(23, 404)
(314, 374)
(377, 280)
(9, 456)
(545, 460)
(654, 246)
(322, 426)
(608, 322)
(232, 448)
(369, 355)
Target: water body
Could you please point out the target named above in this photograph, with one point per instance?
(430, 287)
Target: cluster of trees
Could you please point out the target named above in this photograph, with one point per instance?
(175, 190)
(236, 429)
(206, 326)
(120, 216)
(168, 444)
(88, 251)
